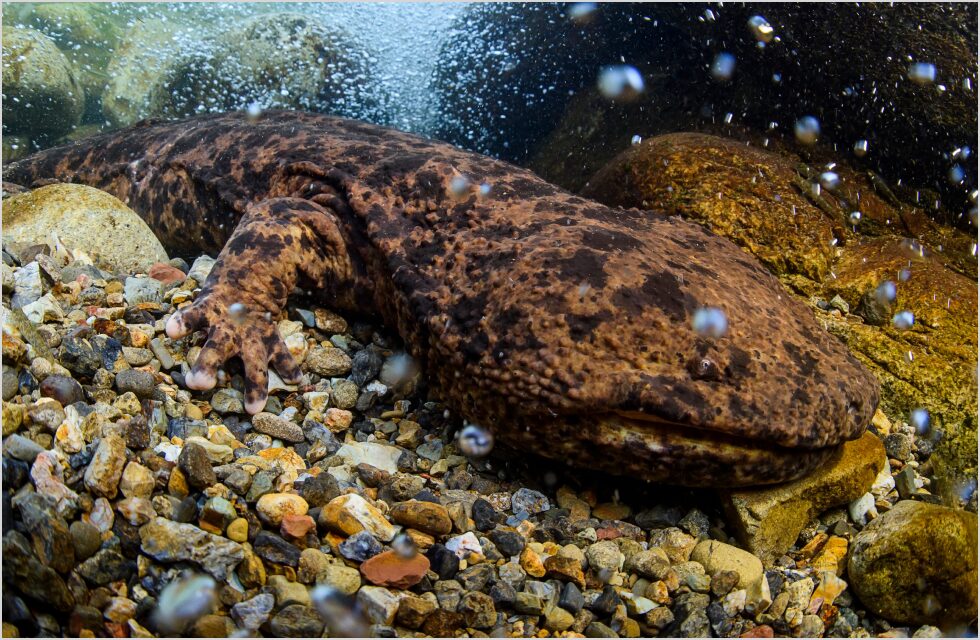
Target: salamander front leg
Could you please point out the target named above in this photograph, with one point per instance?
(277, 242)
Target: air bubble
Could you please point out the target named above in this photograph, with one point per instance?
(903, 320)
(237, 312)
(922, 73)
(475, 441)
(886, 292)
(636, 140)
(183, 601)
(761, 29)
(620, 82)
(723, 67)
(855, 218)
(710, 322)
(861, 148)
(253, 112)
(582, 12)
(829, 180)
(339, 612)
(404, 546)
(956, 174)
(807, 130)
(919, 418)
(458, 186)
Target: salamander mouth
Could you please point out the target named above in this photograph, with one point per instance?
(654, 450)
(679, 432)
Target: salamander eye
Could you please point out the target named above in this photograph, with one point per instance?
(704, 369)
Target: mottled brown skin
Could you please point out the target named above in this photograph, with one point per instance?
(562, 324)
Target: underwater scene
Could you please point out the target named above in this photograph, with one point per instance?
(489, 320)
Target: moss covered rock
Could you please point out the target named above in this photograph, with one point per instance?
(917, 564)
(41, 90)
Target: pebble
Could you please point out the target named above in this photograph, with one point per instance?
(360, 547)
(252, 614)
(63, 389)
(276, 427)
(229, 401)
(140, 383)
(105, 470)
(349, 514)
(529, 501)
(443, 561)
(389, 569)
(378, 604)
(328, 362)
(345, 579)
(169, 541)
(272, 507)
(275, 549)
(196, 465)
(465, 544)
(429, 517)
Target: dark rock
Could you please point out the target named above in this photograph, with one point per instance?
(85, 617)
(63, 389)
(238, 480)
(475, 578)
(139, 382)
(186, 510)
(571, 598)
(503, 594)
(15, 473)
(606, 603)
(196, 465)
(659, 517)
(509, 543)
(86, 539)
(719, 620)
(723, 582)
(319, 490)
(185, 428)
(49, 532)
(442, 623)
(296, 621)
(898, 445)
(484, 515)
(78, 356)
(360, 546)
(138, 433)
(365, 366)
(273, 548)
(443, 561)
(34, 579)
(696, 523)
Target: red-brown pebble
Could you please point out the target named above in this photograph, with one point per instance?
(166, 273)
(296, 526)
(389, 569)
(762, 631)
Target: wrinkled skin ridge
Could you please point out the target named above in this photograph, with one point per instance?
(562, 324)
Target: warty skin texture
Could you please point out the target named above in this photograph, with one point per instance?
(562, 324)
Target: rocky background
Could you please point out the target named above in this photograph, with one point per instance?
(356, 503)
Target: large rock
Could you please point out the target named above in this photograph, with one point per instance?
(42, 94)
(917, 564)
(940, 375)
(281, 60)
(768, 520)
(86, 220)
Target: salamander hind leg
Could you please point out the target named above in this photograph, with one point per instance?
(277, 243)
